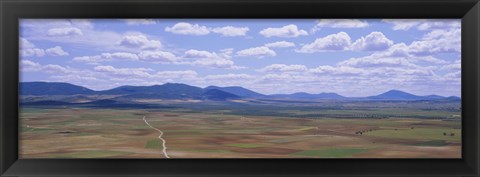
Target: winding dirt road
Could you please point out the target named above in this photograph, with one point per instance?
(159, 137)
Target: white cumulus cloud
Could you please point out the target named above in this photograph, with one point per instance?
(70, 31)
(139, 72)
(337, 70)
(28, 49)
(423, 24)
(196, 29)
(56, 51)
(141, 21)
(258, 52)
(340, 23)
(231, 31)
(283, 68)
(188, 29)
(374, 41)
(176, 74)
(334, 42)
(210, 59)
(230, 77)
(280, 44)
(140, 41)
(285, 31)
(104, 57)
(67, 31)
(26, 44)
(438, 41)
(32, 52)
(56, 69)
(157, 56)
(29, 66)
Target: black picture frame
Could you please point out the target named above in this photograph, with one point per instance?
(12, 10)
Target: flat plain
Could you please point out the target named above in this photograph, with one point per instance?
(189, 132)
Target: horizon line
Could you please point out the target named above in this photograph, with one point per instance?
(244, 88)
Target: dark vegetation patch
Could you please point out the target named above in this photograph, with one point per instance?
(435, 143)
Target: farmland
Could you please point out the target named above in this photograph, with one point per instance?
(211, 130)
(240, 88)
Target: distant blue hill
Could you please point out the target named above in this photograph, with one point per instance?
(434, 97)
(46, 103)
(184, 91)
(400, 95)
(395, 95)
(52, 88)
(453, 98)
(165, 91)
(239, 91)
(303, 95)
(218, 95)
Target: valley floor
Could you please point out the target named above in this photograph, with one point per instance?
(122, 133)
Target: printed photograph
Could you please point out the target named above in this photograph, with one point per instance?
(240, 88)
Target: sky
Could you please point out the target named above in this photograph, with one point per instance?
(351, 57)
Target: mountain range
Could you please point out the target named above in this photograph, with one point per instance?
(183, 91)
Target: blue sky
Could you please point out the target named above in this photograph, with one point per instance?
(352, 57)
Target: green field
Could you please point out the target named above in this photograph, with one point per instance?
(331, 153)
(91, 154)
(419, 134)
(193, 131)
(245, 145)
(153, 144)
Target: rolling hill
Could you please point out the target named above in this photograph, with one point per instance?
(52, 88)
(183, 91)
(167, 90)
(239, 91)
(400, 95)
(303, 95)
(218, 95)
